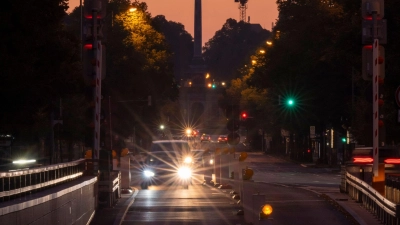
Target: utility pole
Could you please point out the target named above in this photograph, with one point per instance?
(374, 32)
(94, 11)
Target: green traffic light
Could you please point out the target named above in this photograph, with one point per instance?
(343, 140)
(290, 102)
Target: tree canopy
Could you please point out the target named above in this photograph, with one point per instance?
(315, 59)
(231, 47)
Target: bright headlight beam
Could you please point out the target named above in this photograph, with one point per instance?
(188, 160)
(148, 173)
(24, 161)
(184, 172)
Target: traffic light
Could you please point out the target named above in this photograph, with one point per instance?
(344, 140)
(290, 102)
(243, 116)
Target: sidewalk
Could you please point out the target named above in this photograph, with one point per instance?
(353, 209)
(344, 202)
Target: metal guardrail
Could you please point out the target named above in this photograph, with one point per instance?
(385, 210)
(23, 182)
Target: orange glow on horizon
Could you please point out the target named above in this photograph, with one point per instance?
(214, 13)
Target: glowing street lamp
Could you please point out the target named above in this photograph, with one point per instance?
(132, 9)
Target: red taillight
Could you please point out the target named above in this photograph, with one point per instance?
(392, 161)
(308, 150)
(363, 160)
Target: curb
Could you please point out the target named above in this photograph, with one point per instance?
(121, 214)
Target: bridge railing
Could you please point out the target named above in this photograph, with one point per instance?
(385, 210)
(24, 182)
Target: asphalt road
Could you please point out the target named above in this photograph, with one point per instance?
(293, 190)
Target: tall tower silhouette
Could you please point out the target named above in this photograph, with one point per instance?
(197, 31)
(197, 67)
(197, 101)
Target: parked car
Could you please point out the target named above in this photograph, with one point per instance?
(205, 137)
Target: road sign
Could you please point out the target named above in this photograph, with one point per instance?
(397, 96)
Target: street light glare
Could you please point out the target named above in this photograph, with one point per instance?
(133, 9)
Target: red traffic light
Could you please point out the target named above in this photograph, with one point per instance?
(244, 115)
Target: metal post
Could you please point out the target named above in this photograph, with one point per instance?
(94, 69)
(375, 92)
(80, 5)
(109, 109)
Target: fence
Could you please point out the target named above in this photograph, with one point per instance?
(384, 209)
(24, 182)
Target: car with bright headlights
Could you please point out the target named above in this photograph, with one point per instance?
(203, 163)
(167, 168)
